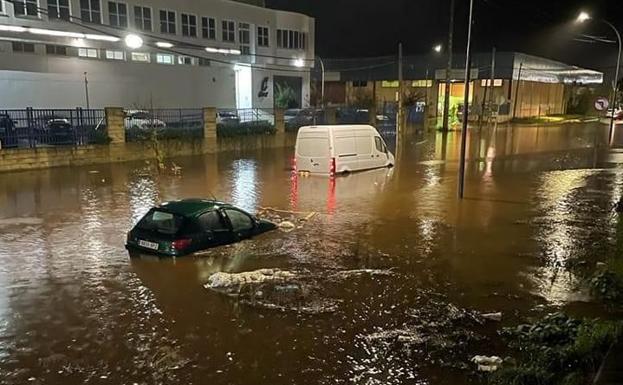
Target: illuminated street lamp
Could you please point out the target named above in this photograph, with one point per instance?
(438, 48)
(584, 16)
(133, 41)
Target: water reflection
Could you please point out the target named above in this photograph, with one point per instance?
(74, 308)
(245, 184)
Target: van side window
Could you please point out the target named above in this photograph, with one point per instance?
(379, 144)
(212, 221)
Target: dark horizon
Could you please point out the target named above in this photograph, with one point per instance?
(350, 28)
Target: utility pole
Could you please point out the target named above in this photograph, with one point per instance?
(400, 116)
(466, 103)
(446, 100)
(492, 85)
(517, 91)
(86, 90)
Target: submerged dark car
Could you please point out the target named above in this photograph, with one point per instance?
(186, 226)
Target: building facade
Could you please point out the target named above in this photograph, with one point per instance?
(523, 85)
(140, 53)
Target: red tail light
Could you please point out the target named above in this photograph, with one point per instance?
(294, 163)
(181, 244)
(332, 168)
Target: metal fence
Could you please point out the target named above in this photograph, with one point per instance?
(32, 128)
(249, 121)
(163, 123)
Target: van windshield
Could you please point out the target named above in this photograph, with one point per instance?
(161, 222)
(313, 147)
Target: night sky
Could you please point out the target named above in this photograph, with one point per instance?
(356, 28)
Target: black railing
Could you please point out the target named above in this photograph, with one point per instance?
(245, 121)
(32, 128)
(163, 123)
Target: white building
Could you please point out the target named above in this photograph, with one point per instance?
(195, 53)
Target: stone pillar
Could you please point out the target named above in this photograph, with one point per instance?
(209, 122)
(115, 124)
(331, 115)
(280, 123)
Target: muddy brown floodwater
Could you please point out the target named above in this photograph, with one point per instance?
(386, 284)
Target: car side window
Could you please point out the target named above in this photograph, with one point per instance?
(212, 221)
(379, 144)
(239, 221)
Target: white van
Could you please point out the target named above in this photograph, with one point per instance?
(339, 149)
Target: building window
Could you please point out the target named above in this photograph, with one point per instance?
(118, 14)
(87, 52)
(52, 49)
(58, 9)
(204, 62)
(229, 31)
(262, 37)
(142, 18)
(422, 83)
(208, 28)
(165, 58)
(487, 82)
(167, 21)
(390, 84)
(26, 8)
(185, 60)
(290, 39)
(115, 55)
(90, 11)
(143, 57)
(19, 46)
(189, 25)
(360, 83)
(244, 36)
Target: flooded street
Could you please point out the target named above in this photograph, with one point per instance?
(405, 269)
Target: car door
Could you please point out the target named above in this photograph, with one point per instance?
(242, 224)
(216, 230)
(365, 152)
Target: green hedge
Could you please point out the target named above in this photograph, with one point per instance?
(245, 128)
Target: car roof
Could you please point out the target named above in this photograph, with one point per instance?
(192, 207)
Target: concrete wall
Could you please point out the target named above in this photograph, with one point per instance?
(29, 80)
(65, 156)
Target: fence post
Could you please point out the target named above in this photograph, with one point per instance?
(115, 124)
(280, 124)
(78, 132)
(372, 115)
(209, 122)
(30, 124)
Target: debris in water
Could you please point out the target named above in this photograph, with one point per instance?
(487, 364)
(233, 282)
(492, 316)
(287, 226)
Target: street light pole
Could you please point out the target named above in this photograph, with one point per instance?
(582, 17)
(615, 83)
(465, 103)
(321, 81)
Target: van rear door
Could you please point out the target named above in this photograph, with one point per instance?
(312, 154)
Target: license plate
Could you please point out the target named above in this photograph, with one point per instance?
(147, 244)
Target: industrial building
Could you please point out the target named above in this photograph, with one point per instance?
(187, 53)
(523, 85)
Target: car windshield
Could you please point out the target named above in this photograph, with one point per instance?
(291, 112)
(227, 114)
(161, 222)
